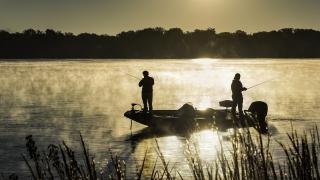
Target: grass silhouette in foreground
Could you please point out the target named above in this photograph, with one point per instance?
(249, 158)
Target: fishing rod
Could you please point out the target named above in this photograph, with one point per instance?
(133, 76)
(259, 84)
(139, 78)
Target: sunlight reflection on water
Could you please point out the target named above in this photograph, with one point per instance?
(55, 100)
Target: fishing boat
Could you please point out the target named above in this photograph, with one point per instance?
(188, 118)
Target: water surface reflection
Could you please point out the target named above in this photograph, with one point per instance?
(56, 100)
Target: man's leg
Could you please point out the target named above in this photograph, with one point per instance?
(234, 105)
(240, 103)
(144, 99)
(150, 102)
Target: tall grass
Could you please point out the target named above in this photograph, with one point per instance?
(59, 162)
(250, 157)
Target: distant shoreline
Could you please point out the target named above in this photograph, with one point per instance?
(136, 59)
(158, 43)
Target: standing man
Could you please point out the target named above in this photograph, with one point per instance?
(237, 97)
(147, 90)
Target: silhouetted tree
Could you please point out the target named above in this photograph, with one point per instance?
(161, 43)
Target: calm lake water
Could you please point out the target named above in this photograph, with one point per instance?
(56, 100)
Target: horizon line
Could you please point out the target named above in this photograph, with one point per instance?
(166, 29)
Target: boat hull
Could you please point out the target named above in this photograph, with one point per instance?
(171, 121)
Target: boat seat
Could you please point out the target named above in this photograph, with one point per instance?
(226, 103)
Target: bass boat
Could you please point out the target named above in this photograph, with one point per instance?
(189, 118)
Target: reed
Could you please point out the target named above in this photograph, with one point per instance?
(250, 157)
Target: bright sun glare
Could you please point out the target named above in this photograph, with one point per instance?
(204, 61)
(204, 103)
(208, 143)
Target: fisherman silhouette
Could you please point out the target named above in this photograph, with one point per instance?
(237, 97)
(147, 91)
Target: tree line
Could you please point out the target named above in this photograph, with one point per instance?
(161, 43)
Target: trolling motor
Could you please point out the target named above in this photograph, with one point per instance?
(135, 104)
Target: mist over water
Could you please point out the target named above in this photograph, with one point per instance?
(56, 100)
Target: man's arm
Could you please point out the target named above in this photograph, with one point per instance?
(141, 83)
(243, 88)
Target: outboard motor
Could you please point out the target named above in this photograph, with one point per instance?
(260, 110)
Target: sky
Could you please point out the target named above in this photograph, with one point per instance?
(114, 16)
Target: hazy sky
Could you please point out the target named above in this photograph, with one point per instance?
(114, 16)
